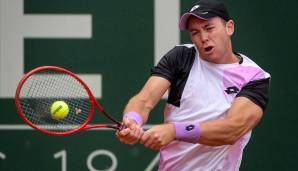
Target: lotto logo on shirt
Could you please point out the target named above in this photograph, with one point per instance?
(232, 90)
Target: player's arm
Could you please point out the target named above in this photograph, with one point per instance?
(243, 116)
(148, 97)
(137, 110)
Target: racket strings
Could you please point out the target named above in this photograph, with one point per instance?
(57, 94)
(27, 105)
(41, 90)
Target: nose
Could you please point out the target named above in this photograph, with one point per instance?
(204, 37)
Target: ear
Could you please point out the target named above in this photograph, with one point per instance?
(230, 27)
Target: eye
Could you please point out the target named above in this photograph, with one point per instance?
(194, 33)
(209, 28)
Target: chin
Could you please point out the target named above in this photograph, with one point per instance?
(210, 58)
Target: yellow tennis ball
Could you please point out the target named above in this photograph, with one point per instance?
(59, 110)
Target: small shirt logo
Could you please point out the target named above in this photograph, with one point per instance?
(231, 90)
(189, 127)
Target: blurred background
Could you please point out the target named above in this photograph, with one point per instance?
(112, 45)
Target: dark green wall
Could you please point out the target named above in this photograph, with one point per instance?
(267, 31)
(121, 49)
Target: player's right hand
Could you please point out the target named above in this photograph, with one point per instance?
(132, 132)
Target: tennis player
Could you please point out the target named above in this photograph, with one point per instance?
(216, 97)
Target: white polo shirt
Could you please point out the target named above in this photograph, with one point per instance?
(203, 91)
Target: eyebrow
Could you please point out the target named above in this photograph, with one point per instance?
(204, 26)
(207, 25)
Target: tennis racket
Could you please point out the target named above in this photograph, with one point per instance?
(42, 86)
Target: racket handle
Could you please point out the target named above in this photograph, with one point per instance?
(121, 127)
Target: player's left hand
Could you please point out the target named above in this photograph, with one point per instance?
(158, 136)
(131, 134)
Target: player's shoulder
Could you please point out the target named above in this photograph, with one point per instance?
(175, 62)
(182, 53)
(184, 48)
(248, 62)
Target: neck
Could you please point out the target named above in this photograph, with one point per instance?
(232, 58)
(228, 58)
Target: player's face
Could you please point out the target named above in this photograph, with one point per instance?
(212, 38)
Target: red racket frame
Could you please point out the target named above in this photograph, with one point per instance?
(92, 100)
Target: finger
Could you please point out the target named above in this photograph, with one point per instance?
(149, 142)
(135, 135)
(131, 139)
(123, 132)
(129, 136)
(144, 138)
(155, 141)
(139, 132)
(155, 146)
(148, 139)
(128, 140)
(129, 123)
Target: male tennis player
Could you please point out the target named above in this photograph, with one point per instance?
(216, 97)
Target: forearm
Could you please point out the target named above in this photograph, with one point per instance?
(241, 117)
(148, 97)
(139, 105)
(221, 132)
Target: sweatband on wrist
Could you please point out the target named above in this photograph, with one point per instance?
(135, 116)
(187, 131)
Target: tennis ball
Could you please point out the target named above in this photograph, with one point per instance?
(59, 110)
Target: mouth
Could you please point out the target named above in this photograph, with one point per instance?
(208, 49)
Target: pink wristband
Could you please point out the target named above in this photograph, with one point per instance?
(187, 131)
(135, 116)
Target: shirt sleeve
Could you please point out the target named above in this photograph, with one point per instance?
(257, 91)
(167, 66)
(175, 66)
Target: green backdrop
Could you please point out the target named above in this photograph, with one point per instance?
(122, 50)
